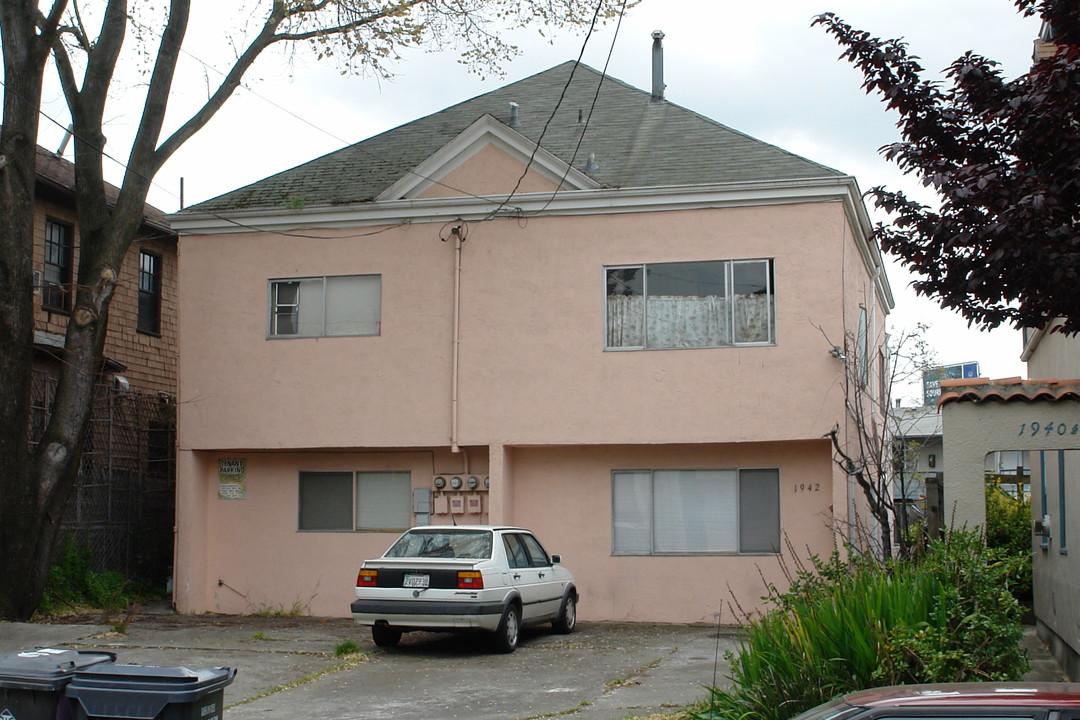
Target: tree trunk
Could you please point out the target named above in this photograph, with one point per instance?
(21, 499)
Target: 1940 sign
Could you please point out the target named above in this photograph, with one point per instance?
(1034, 429)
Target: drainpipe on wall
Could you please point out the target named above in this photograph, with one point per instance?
(458, 240)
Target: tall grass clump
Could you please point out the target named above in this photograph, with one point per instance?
(851, 622)
(73, 586)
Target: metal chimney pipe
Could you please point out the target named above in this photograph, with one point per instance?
(515, 119)
(658, 67)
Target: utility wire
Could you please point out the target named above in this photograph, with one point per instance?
(558, 104)
(592, 107)
(502, 204)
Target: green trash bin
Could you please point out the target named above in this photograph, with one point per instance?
(149, 692)
(32, 682)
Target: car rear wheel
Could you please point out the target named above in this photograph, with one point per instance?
(567, 620)
(385, 636)
(506, 635)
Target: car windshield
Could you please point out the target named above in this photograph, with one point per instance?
(470, 544)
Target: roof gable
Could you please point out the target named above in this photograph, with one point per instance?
(426, 180)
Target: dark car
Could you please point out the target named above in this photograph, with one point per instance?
(945, 701)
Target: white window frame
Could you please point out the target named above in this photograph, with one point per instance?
(729, 282)
(374, 501)
(367, 317)
(658, 531)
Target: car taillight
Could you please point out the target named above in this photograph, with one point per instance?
(470, 580)
(367, 578)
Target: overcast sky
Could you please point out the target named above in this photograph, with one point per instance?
(759, 68)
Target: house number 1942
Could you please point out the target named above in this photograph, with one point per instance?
(1050, 428)
(807, 487)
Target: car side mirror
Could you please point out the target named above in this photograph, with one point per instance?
(556, 559)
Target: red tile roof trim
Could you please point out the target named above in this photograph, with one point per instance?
(1007, 390)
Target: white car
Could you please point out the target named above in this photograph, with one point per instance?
(464, 577)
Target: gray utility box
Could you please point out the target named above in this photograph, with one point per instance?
(32, 682)
(149, 692)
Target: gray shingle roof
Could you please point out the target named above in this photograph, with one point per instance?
(637, 143)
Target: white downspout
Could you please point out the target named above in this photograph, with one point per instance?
(456, 232)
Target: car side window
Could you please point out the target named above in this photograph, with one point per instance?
(536, 553)
(516, 555)
(973, 713)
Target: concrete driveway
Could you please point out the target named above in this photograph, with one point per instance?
(286, 667)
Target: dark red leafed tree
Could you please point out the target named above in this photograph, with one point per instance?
(1003, 156)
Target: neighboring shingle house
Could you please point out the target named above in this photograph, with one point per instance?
(619, 338)
(122, 508)
(140, 346)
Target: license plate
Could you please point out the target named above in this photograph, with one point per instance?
(416, 581)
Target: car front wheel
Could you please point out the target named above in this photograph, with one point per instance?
(567, 620)
(506, 635)
(385, 636)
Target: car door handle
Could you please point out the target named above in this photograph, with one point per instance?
(540, 574)
(517, 576)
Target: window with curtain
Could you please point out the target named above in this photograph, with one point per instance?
(326, 306)
(351, 501)
(657, 512)
(715, 303)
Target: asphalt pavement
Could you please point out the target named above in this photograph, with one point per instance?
(287, 667)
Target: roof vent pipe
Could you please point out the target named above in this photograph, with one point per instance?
(658, 66)
(515, 119)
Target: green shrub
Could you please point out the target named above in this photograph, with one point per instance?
(850, 622)
(974, 628)
(1008, 519)
(1008, 529)
(73, 586)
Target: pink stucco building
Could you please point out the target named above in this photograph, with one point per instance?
(619, 338)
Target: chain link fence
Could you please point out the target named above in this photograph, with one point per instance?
(123, 507)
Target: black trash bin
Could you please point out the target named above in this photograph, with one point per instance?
(149, 692)
(32, 682)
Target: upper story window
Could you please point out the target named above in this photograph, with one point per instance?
(149, 293)
(326, 306)
(690, 305)
(59, 252)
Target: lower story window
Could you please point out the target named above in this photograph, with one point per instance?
(695, 511)
(348, 501)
